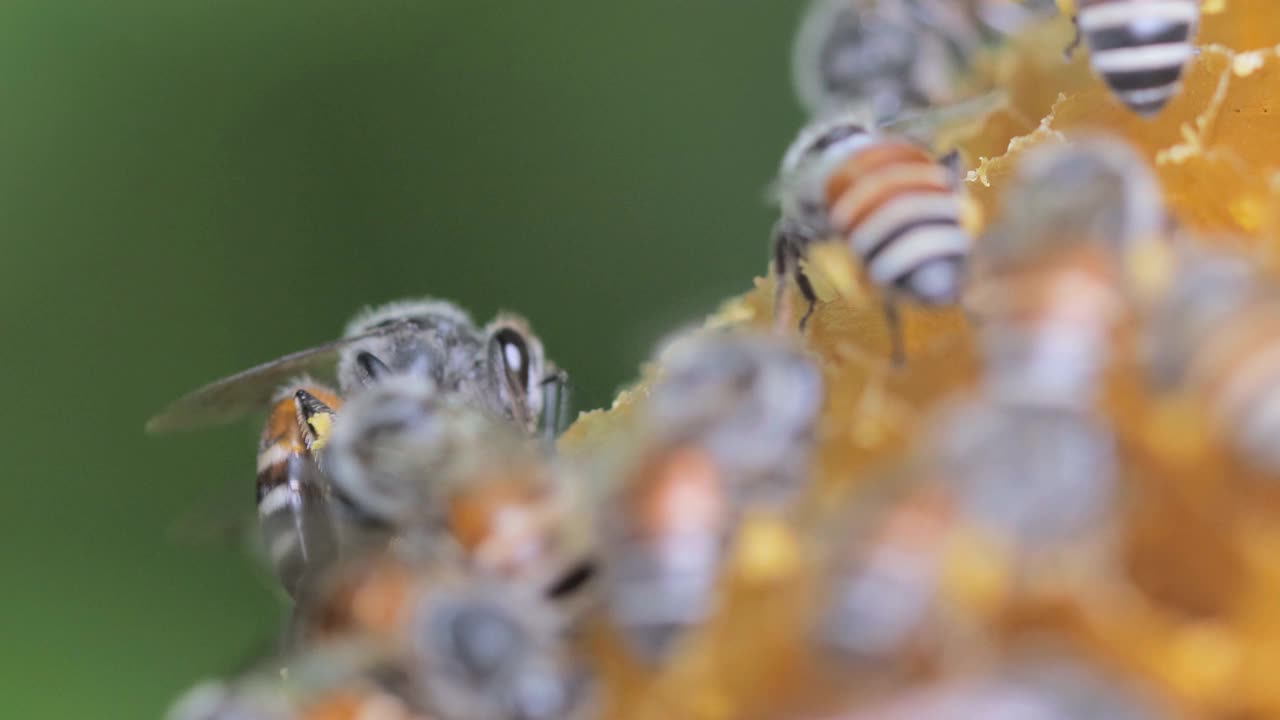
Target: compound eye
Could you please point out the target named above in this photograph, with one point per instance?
(371, 368)
(514, 352)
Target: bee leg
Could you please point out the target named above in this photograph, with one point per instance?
(782, 275)
(786, 267)
(555, 404)
(806, 291)
(1070, 50)
(897, 346)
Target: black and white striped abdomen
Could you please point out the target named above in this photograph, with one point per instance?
(896, 207)
(1140, 47)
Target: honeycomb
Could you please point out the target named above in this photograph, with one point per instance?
(1190, 610)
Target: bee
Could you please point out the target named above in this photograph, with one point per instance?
(892, 57)
(664, 537)
(341, 682)
(1036, 485)
(894, 206)
(751, 400)
(501, 370)
(1140, 47)
(1039, 480)
(880, 604)
(462, 645)
(292, 494)
(1052, 280)
(409, 464)
(501, 367)
(1216, 335)
(487, 651)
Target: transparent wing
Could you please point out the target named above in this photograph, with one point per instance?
(924, 126)
(233, 397)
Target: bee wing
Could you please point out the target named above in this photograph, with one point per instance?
(232, 397)
(924, 126)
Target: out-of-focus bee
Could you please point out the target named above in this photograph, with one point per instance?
(486, 651)
(339, 682)
(500, 367)
(1037, 486)
(1040, 481)
(880, 604)
(891, 57)
(1140, 47)
(1216, 336)
(752, 400)
(1041, 685)
(408, 464)
(1052, 280)
(730, 422)
(895, 207)
(664, 540)
(464, 646)
(292, 495)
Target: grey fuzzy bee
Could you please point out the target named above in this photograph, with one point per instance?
(897, 57)
(499, 370)
(752, 400)
(487, 651)
(432, 475)
(729, 423)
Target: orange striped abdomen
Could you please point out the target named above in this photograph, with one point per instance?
(896, 208)
(664, 558)
(1046, 329)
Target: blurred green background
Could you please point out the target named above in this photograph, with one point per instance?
(187, 188)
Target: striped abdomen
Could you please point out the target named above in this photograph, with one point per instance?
(898, 211)
(1140, 47)
(1236, 369)
(292, 512)
(664, 555)
(882, 599)
(1046, 330)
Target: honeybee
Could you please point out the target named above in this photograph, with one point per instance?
(892, 57)
(408, 464)
(1039, 480)
(664, 538)
(501, 367)
(880, 603)
(333, 683)
(1052, 281)
(730, 422)
(1037, 485)
(485, 651)
(464, 646)
(1139, 47)
(894, 206)
(1216, 336)
(751, 400)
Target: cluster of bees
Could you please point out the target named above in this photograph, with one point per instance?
(446, 560)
